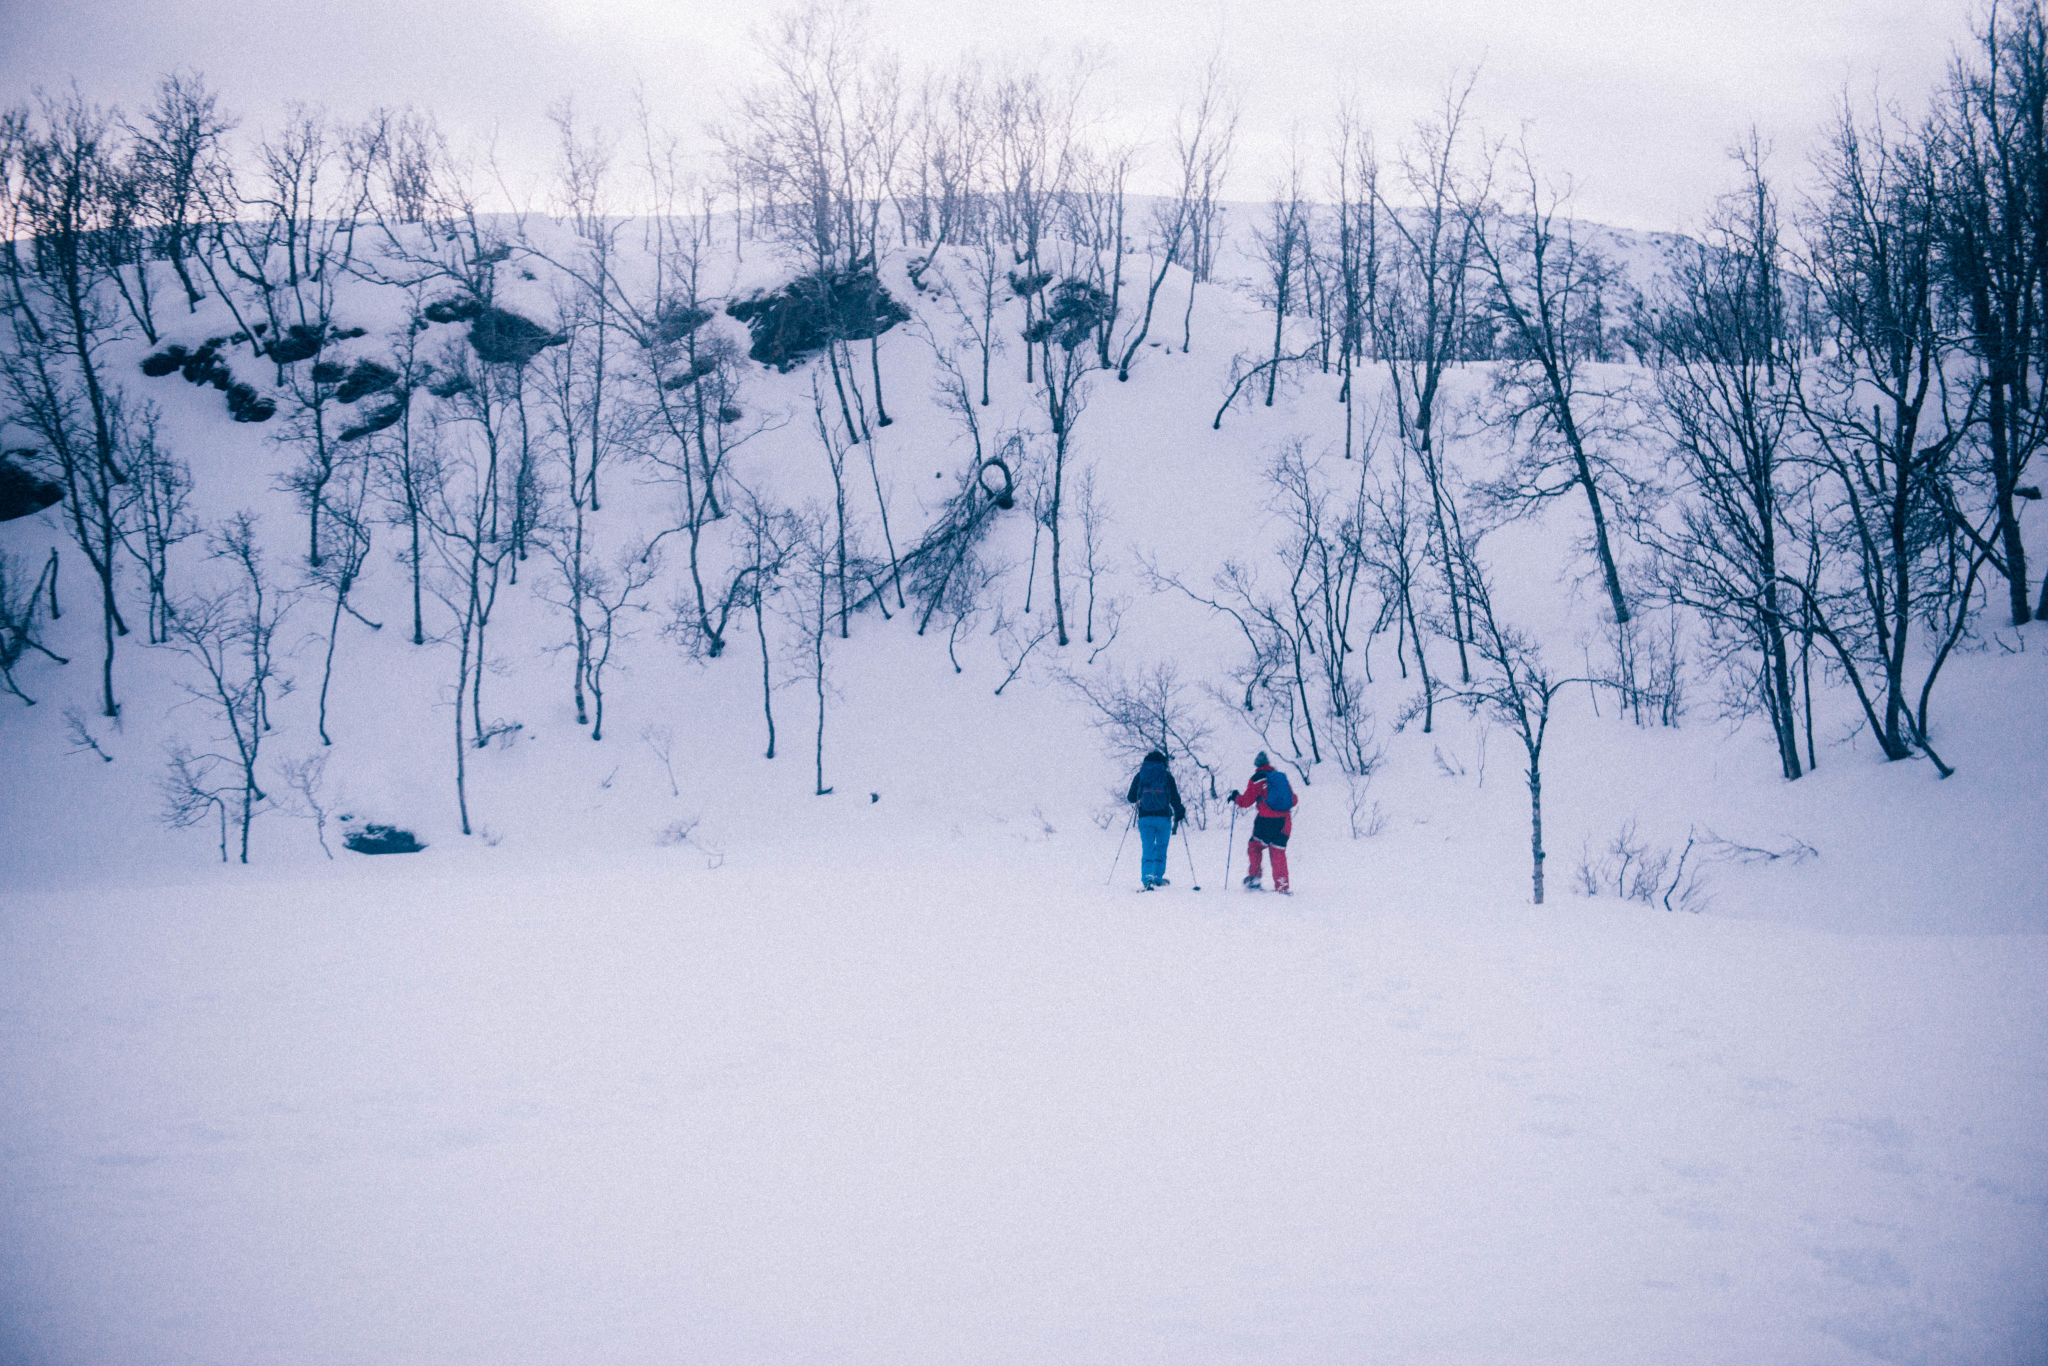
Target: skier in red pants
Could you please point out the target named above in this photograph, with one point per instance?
(1273, 794)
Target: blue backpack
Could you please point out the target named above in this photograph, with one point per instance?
(1153, 793)
(1279, 792)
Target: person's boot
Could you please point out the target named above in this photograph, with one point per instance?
(1251, 882)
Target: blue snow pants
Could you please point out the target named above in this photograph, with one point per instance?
(1155, 832)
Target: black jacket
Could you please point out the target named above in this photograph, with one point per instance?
(1172, 805)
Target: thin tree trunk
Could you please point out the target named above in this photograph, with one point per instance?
(476, 680)
(461, 745)
(1123, 372)
(882, 418)
(1059, 607)
(1450, 551)
(2005, 477)
(854, 431)
(109, 615)
(1778, 680)
(1806, 685)
(1421, 662)
(818, 675)
(767, 683)
(419, 633)
(192, 294)
(1279, 322)
(839, 504)
(895, 570)
(1585, 469)
(1031, 575)
(327, 670)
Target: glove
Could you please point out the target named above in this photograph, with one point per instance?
(1233, 794)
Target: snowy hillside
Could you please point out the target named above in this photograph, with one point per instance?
(673, 1057)
(1177, 495)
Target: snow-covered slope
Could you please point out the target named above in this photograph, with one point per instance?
(675, 1059)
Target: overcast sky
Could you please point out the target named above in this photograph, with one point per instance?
(1636, 100)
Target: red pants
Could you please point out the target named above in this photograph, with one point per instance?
(1257, 848)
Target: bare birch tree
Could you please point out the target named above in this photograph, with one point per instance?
(1547, 288)
(230, 633)
(1418, 319)
(1727, 391)
(1994, 141)
(1517, 689)
(1885, 422)
(177, 148)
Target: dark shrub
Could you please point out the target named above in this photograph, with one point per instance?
(246, 405)
(677, 320)
(327, 372)
(812, 310)
(203, 365)
(699, 368)
(380, 417)
(1073, 310)
(458, 309)
(366, 378)
(382, 839)
(503, 338)
(299, 342)
(164, 362)
(22, 493)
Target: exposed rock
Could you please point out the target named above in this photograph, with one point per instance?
(22, 493)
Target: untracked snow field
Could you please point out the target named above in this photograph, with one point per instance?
(902, 1110)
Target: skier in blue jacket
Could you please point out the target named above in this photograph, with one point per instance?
(1160, 813)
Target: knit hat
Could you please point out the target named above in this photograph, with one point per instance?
(1262, 761)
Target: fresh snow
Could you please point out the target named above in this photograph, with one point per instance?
(960, 1102)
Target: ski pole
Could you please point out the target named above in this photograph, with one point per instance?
(1189, 850)
(1120, 848)
(1230, 847)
